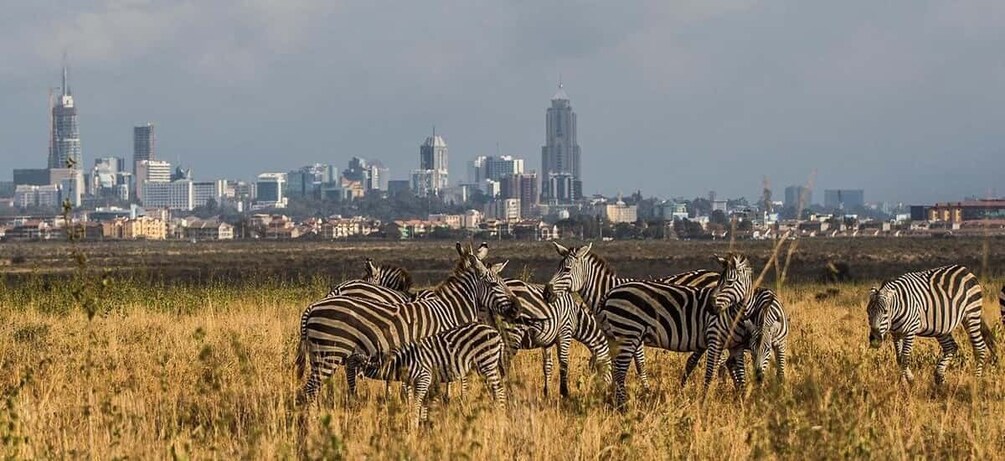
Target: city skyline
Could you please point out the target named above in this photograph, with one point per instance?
(865, 97)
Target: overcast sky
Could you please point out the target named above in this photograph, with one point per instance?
(904, 99)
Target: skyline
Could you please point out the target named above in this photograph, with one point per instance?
(905, 103)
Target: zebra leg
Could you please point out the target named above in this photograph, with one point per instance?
(905, 358)
(640, 365)
(546, 365)
(492, 378)
(978, 342)
(711, 362)
(898, 348)
(692, 361)
(780, 360)
(563, 365)
(626, 352)
(420, 389)
(350, 380)
(737, 368)
(949, 349)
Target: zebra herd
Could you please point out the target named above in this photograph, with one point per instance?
(475, 319)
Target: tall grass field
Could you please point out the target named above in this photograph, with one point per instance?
(205, 371)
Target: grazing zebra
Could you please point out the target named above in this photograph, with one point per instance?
(770, 329)
(587, 274)
(554, 324)
(341, 328)
(446, 356)
(930, 303)
(678, 318)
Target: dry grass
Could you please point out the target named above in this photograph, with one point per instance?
(214, 380)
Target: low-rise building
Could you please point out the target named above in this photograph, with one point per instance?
(208, 229)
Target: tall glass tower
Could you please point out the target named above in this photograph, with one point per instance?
(561, 182)
(64, 145)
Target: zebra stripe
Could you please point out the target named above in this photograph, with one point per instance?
(930, 303)
(677, 318)
(1001, 303)
(447, 356)
(339, 328)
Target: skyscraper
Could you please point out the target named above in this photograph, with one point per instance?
(560, 154)
(64, 144)
(144, 143)
(432, 175)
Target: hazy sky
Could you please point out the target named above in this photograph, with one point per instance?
(904, 99)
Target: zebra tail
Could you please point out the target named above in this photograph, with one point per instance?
(989, 339)
(301, 360)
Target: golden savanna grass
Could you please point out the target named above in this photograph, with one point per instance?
(207, 373)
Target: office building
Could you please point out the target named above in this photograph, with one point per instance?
(269, 190)
(560, 156)
(175, 195)
(844, 199)
(204, 191)
(64, 131)
(432, 175)
(798, 197)
(522, 186)
(144, 144)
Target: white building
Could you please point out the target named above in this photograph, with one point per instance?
(503, 209)
(177, 195)
(156, 171)
(621, 213)
(269, 190)
(42, 196)
(205, 190)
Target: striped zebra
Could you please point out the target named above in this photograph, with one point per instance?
(769, 332)
(343, 330)
(584, 272)
(930, 303)
(679, 318)
(554, 324)
(446, 356)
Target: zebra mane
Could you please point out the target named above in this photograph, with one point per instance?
(459, 270)
(604, 265)
(406, 277)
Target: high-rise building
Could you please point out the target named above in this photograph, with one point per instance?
(372, 175)
(798, 197)
(151, 171)
(269, 190)
(432, 174)
(844, 199)
(174, 195)
(144, 144)
(522, 186)
(560, 154)
(64, 143)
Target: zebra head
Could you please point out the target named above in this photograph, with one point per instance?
(880, 300)
(765, 329)
(571, 273)
(490, 289)
(735, 283)
(393, 277)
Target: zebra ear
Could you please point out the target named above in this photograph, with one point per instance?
(483, 251)
(460, 249)
(562, 251)
(369, 267)
(719, 259)
(498, 267)
(474, 262)
(584, 250)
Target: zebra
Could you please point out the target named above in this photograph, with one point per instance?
(589, 275)
(554, 324)
(446, 356)
(343, 330)
(769, 332)
(678, 318)
(930, 303)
